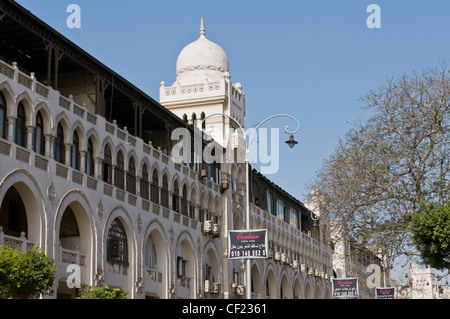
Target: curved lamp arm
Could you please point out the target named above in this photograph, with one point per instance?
(286, 127)
(249, 141)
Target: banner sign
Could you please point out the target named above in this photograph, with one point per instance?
(385, 293)
(345, 287)
(247, 244)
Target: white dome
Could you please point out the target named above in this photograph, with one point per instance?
(200, 60)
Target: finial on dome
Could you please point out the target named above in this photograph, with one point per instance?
(202, 28)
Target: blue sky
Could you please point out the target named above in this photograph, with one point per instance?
(310, 59)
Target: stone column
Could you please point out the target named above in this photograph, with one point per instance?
(67, 158)
(30, 137)
(82, 161)
(11, 128)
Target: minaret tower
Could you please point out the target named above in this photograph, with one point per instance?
(203, 87)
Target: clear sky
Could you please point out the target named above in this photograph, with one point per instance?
(310, 59)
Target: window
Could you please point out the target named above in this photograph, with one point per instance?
(165, 192)
(209, 273)
(236, 276)
(90, 164)
(155, 187)
(151, 260)
(59, 144)
(75, 151)
(145, 190)
(107, 165)
(280, 209)
(119, 171)
(20, 126)
(293, 218)
(131, 177)
(175, 197)
(181, 267)
(184, 202)
(270, 203)
(191, 212)
(117, 244)
(3, 120)
(39, 139)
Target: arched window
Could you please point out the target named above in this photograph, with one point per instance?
(155, 187)
(175, 197)
(145, 190)
(75, 151)
(165, 192)
(117, 244)
(90, 164)
(3, 120)
(119, 171)
(131, 177)
(21, 133)
(59, 144)
(39, 139)
(184, 202)
(107, 165)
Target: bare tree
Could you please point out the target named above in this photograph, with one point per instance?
(383, 168)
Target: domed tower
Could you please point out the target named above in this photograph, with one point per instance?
(203, 87)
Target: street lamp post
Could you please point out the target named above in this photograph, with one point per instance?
(291, 142)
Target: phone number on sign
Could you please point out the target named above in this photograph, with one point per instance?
(248, 253)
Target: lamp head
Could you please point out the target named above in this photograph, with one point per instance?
(291, 142)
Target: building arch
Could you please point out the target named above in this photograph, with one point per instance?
(256, 281)
(285, 287)
(186, 262)
(33, 201)
(132, 155)
(78, 127)
(120, 273)
(327, 292)
(27, 102)
(8, 93)
(107, 141)
(270, 283)
(42, 107)
(155, 254)
(318, 294)
(62, 119)
(211, 266)
(297, 288)
(80, 232)
(309, 291)
(193, 197)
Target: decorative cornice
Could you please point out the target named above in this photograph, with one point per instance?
(200, 67)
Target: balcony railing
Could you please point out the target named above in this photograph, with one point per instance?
(72, 256)
(154, 275)
(184, 282)
(20, 243)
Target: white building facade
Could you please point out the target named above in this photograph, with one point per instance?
(89, 192)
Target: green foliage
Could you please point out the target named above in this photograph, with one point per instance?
(104, 292)
(430, 232)
(25, 275)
